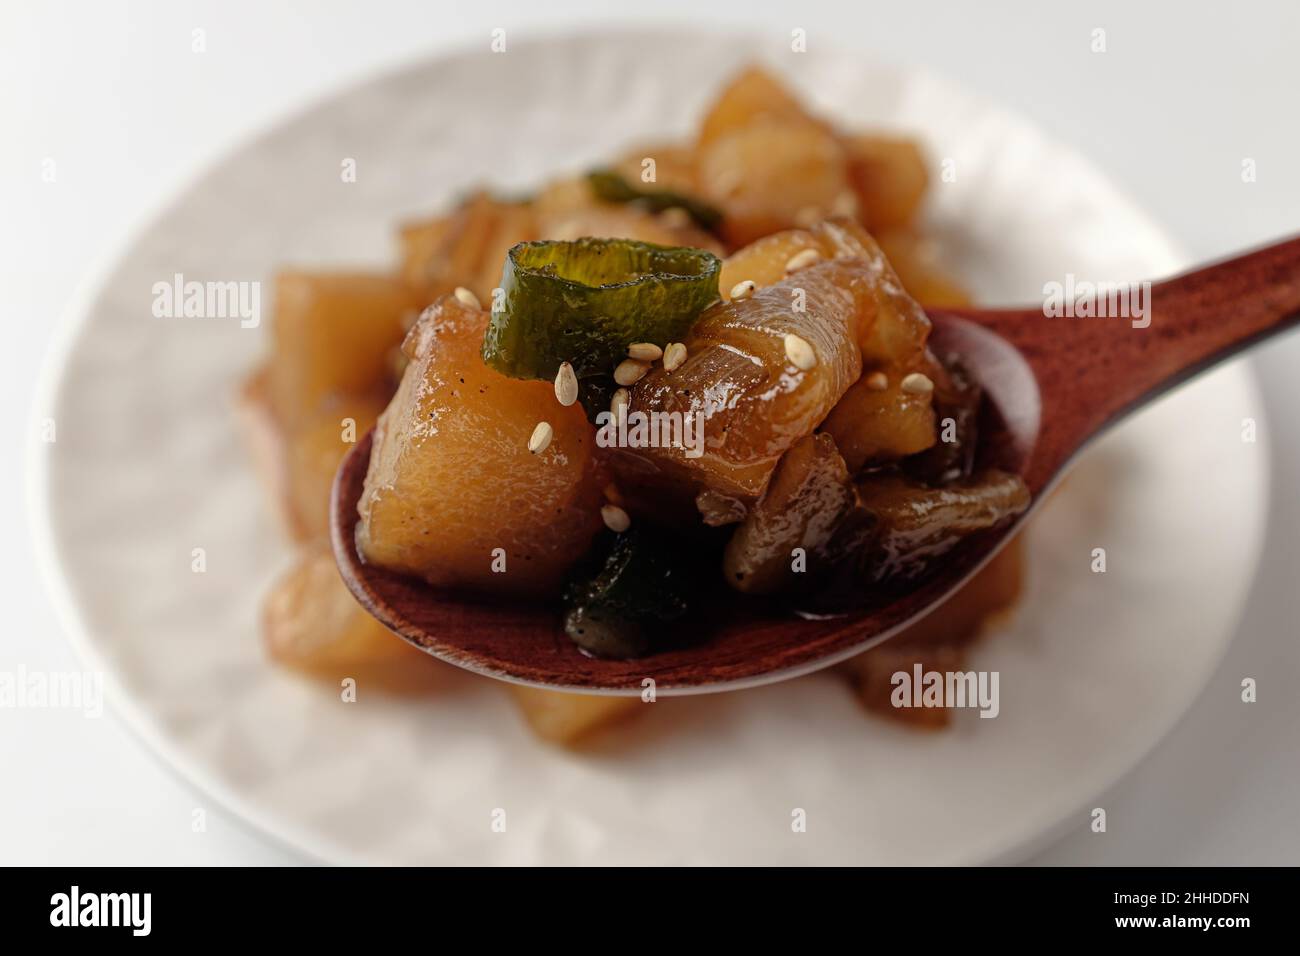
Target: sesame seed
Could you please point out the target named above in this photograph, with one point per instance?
(808, 216)
(728, 182)
(615, 518)
(845, 204)
(566, 385)
(799, 352)
(619, 401)
(802, 260)
(742, 290)
(541, 437)
(465, 297)
(630, 371)
(674, 356)
(675, 217)
(917, 384)
(877, 381)
(644, 351)
(613, 495)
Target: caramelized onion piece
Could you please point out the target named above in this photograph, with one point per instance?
(956, 400)
(754, 402)
(916, 524)
(800, 527)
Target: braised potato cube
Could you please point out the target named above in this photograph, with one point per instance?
(915, 260)
(267, 443)
(297, 465)
(314, 451)
(467, 248)
(312, 624)
(421, 244)
(674, 167)
(889, 176)
(772, 175)
(625, 221)
(332, 335)
(753, 94)
(569, 719)
(453, 493)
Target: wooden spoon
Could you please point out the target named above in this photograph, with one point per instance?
(1056, 383)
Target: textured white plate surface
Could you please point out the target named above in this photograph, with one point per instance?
(149, 465)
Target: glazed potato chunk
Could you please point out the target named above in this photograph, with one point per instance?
(453, 489)
(570, 719)
(772, 175)
(889, 178)
(298, 463)
(312, 623)
(333, 334)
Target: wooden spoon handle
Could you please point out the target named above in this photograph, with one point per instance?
(1092, 370)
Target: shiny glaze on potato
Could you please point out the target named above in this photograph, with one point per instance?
(452, 479)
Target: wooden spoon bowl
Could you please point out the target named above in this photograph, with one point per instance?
(1054, 383)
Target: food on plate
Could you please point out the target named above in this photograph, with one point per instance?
(329, 375)
(572, 719)
(458, 492)
(700, 368)
(941, 641)
(312, 624)
(332, 336)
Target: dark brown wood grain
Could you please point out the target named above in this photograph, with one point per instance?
(1055, 383)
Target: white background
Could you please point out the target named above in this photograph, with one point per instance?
(114, 95)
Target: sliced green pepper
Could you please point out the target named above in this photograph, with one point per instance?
(613, 608)
(584, 302)
(609, 186)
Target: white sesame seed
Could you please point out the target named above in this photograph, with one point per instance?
(675, 217)
(728, 182)
(845, 204)
(615, 518)
(541, 437)
(877, 381)
(799, 352)
(630, 371)
(742, 290)
(465, 297)
(619, 401)
(566, 385)
(674, 356)
(917, 384)
(644, 351)
(808, 216)
(802, 260)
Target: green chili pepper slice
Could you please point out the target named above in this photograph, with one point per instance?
(584, 302)
(609, 186)
(618, 606)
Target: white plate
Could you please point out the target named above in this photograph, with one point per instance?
(149, 465)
